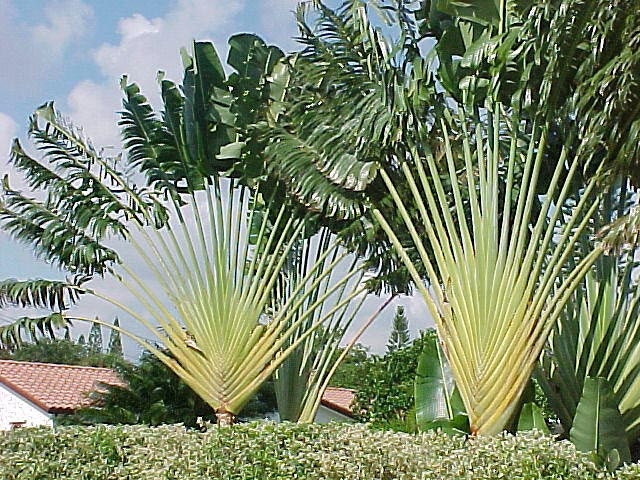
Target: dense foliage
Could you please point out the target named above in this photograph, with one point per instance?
(349, 373)
(385, 397)
(267, 451)
(65, 352)
(88, 353)
(155, 395)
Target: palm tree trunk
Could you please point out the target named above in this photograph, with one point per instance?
(224, 417)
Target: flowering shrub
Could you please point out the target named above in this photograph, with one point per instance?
(267, 451)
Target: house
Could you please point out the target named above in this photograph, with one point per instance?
(336, 405)
(32, 394)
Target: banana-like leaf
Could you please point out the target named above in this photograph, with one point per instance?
(598, 335)
(434, 386)
(82, 198)
(541, 56)
(338, 116)
(623, 232)
(484, 12)
(495, 289)
(531, 418)
(598, 425)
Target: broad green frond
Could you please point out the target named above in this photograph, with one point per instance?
(598, 336)
(82, 198)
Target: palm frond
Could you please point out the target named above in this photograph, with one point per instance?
(13, 334)
(149, 146)
(54, 238)
(38, 293)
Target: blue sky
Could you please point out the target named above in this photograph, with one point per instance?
(75, 51)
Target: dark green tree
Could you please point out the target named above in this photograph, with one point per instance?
(155, 395)
(386, 395)
(351, 372)
(95, 338)
(64, 352)
(399, 337)
(115, 341)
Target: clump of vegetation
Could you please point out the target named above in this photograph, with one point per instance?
(282, 451)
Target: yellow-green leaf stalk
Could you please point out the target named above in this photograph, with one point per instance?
(216, 264)
(494, 285)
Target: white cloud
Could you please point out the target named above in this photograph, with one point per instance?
(67, 20)
(148, 45)
(145, 45)
(34, 53)
(93, 106)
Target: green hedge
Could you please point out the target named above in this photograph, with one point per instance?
(265, 451)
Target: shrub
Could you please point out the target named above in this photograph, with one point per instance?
(268, 451)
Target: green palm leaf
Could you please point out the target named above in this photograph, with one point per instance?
(597, 336)
(39, 293)
(13, 334)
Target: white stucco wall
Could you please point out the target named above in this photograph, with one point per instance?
(323, 415)
(327, 415)
(14, 408)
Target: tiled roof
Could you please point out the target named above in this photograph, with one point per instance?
(339, 399)
(55, 388)
(65, 388)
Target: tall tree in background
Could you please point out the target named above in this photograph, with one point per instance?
(399, 337)
(94, 343)
(115, 341)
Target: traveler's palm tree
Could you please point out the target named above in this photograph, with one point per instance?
(494, 287)
(205, 224)
(463, 209)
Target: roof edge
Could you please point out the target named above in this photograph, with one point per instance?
(26, 395)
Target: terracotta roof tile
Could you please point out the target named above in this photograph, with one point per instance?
(55, 388)
(339, 399)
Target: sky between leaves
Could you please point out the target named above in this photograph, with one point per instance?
(74, 52)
